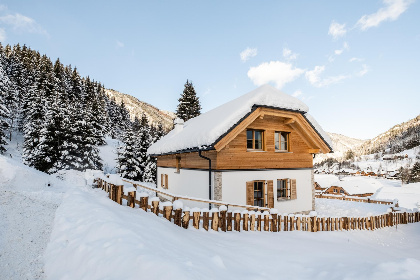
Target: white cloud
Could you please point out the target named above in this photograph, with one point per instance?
(22, 23)
(353, 59)
(392, 10)
(289, 55)
(297, 93)
(120, 44)
(340, 51)
(3, 7)
(337, 30)
(277, 72)
(2, 34)
(364, 70)
(247, 54)
(314, 77)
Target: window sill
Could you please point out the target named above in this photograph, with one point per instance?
(283, 199)
(255, 151)
(283, 152)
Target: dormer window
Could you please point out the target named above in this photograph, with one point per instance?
(281, 141)
(254, 139)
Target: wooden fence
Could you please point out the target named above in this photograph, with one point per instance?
(357, 199)
(255, 221)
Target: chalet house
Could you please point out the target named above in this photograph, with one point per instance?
(255, 150)
(318, 187)
(347, 190)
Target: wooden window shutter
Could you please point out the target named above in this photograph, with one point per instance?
(270, 194)
(166, 181)
(162, 184)
(250, 193)
(293, 189)
(288, 188)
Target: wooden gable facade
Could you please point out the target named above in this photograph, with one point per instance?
(230, 152)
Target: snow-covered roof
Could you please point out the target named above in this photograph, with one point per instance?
(203, 131)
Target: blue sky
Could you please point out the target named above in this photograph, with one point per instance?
(354, 63)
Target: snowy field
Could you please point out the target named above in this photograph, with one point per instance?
(408, 195)
(70, 231)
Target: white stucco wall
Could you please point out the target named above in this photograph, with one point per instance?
(194, 183)
(234, 187)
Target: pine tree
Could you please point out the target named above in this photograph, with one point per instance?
(129, 165)
(48, 151)
(415, 172)
(4, 112)
(189, 104)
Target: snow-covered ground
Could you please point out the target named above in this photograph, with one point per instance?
(58, 227)
(408, 195)
(99, 239)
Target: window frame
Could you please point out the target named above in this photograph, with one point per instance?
(254, 139)
(263, 192)
(278, 134)
(280, 198)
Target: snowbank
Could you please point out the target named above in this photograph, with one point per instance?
(95, 238)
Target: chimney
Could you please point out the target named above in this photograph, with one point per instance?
(179, 125)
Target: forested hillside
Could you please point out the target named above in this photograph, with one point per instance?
(401, 137)
(137, 108)
(64, 117)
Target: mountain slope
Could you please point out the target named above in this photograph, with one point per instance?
(136, 108)
(400, 137)
(341, 144)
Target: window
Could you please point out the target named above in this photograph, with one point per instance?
(281, 141)
(164, 181)
(341, 191)
(335, 190)
(254, 139)
(259, 193)
(286, 189)
(281, 188)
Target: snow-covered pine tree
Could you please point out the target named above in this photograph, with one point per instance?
(129, 165)
(189, 104)
(145, 139)
(4, 112)
(48, 152)
(415, 172)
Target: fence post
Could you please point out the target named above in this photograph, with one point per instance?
(286, 223)
(252, 221)
(167, 211)
(144, 202)
(313, 224)
(274, 224)
(246, 221)
(186, 219)
(132, 199)
(215, 221)
(120, 193)
(259, 221)
(237, 221)
(222, 220)
(196, 218)
(155, 207)
(177, 217)
(266, 217)
(298, 223)
(206, 220)
(229, 221)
